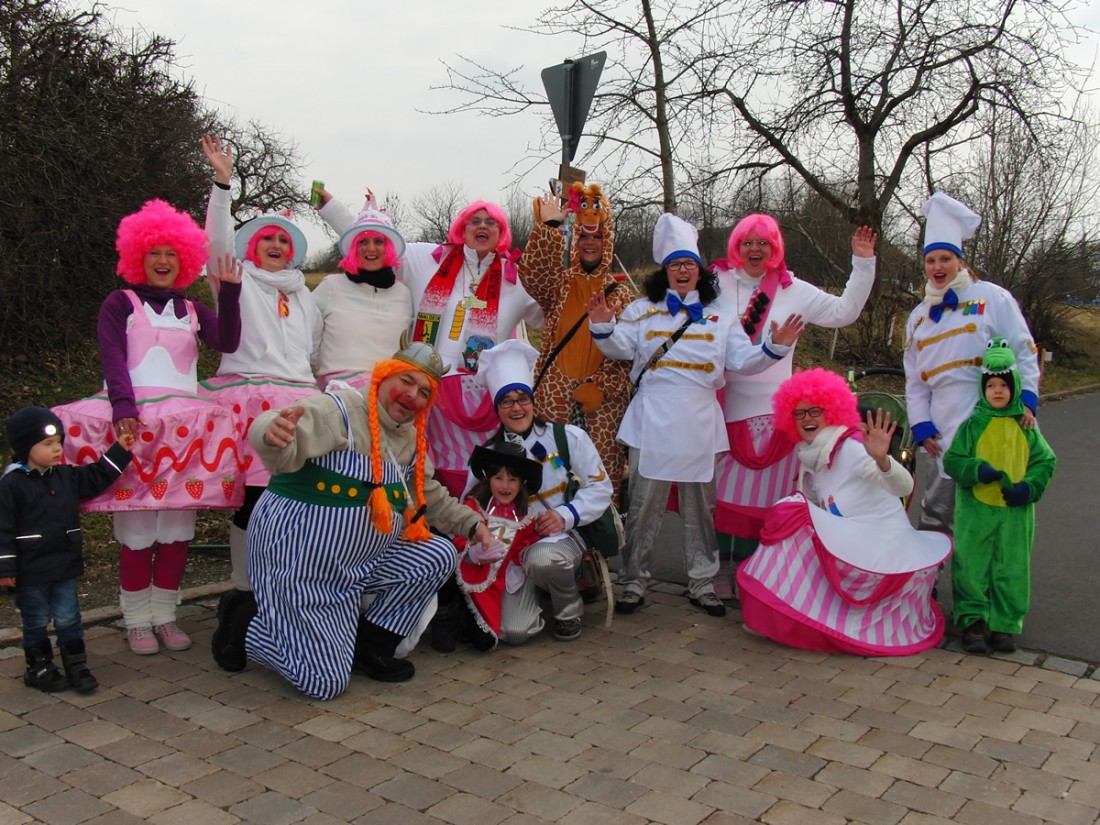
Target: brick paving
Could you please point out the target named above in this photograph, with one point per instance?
(668, 717)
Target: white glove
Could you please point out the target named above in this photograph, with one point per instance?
(480, 554)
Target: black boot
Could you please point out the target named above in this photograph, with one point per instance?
(446, 624)
(42, 673)
(374, 648)
(75, 658)
(236, 610)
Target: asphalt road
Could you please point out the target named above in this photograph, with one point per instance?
(1065, 564)
(1065, 571)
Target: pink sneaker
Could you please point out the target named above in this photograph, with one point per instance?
(172, 637)
(142, 641)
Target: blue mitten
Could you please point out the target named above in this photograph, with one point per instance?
(986, 473)
(1017, 495)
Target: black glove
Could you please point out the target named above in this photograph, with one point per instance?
(986, 473)
(1017, 495)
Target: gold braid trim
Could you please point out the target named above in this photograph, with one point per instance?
(935, 339)
(684, 365)
(687, 336)
(950, 365)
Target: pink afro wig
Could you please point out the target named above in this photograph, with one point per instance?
(350, 262)
(766, 227)
(818, 388)
(454, 235)
(158, 224)
(266, 232)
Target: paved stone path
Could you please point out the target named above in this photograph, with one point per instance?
(668, 717)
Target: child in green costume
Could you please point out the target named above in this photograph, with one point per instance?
(1001, 469)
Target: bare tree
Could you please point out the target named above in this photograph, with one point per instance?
(848, 93)
(266, 170)
(1039, 208)
(644, 124)
(434, 210)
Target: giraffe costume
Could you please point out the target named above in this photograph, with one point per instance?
(580, 386)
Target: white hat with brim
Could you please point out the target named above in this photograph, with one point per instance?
(507, 366)
(674, 238)
(245, 233)
(948, 223)
(373, 220)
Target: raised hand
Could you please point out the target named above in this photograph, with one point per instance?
(599, 311)
(786, 334)
(877, 434)
(550, 209)
(323, 194)
(280, 432)
(219, 156)
(863, 242)
(223, 269)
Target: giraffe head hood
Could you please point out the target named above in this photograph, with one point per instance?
(593, 216)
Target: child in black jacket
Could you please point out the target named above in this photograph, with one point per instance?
(40, 542)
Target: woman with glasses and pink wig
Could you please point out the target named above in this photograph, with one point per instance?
(467, 299)
(839, 567)
(683, 345)
(756, 287)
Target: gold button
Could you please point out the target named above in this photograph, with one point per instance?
(336, 489)
(321, 486)
(353, 492)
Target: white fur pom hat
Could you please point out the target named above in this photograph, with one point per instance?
(674, 238)
(948, 223)
(372, 219)
(507, 366)
(285, 221)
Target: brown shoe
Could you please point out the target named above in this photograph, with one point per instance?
(973, 638)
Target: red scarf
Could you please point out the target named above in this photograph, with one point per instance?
(482, 321)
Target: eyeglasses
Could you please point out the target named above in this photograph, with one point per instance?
(751, 244)
(682, 265)
(488, 223)
(521, 400)
(812, 412)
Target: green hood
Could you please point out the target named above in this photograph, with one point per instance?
(1000, 361)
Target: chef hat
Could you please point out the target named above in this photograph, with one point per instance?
(675, 238)
(948, 223)
(507, 366)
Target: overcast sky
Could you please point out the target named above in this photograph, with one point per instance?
(349, 80)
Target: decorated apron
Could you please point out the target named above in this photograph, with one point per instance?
(246, 397)
(186, 456)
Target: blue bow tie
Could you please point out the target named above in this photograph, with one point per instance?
(950, 301)
(674, 304)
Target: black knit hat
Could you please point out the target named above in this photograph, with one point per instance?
(27, 427)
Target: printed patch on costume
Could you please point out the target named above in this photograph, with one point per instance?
(475, 345)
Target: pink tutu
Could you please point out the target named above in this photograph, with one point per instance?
(824, 582)
(186, 456)
(245, 398)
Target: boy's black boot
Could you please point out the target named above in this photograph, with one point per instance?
(973, 638)
(42, 673)
(74, 655)
(374, 649)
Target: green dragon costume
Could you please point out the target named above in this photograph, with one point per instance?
(1002, 469)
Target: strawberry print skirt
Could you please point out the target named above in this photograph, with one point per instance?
(187, 455)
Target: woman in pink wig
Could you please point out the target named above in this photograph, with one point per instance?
(755, 286)
(467, 299)
(185, 454)
(839, 566)
(280, 336)
(364, 308)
